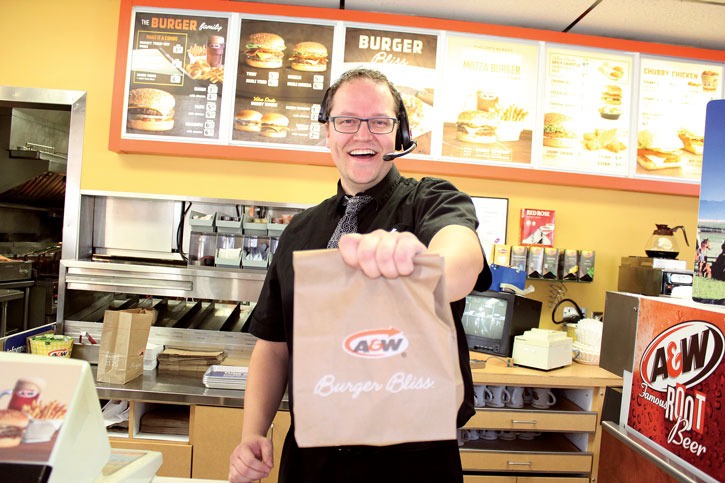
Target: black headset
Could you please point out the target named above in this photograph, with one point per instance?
(403, 141)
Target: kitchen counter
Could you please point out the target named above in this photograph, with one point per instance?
(489, 369)
(171, 388)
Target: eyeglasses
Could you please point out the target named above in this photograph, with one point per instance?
(351, 125)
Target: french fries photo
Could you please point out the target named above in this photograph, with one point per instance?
(39, 410)
(513, 113)
(201, 70)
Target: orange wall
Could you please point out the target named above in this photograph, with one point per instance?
(72, 45)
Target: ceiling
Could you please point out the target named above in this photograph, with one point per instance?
(694, 23)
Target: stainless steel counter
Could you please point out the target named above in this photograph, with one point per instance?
(168, 388)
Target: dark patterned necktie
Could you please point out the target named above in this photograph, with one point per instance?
(348, 222)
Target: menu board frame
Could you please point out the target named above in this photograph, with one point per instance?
(433, 163)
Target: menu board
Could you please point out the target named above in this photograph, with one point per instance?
(408, 59)
(587, 105)
(282, 74)
(673, 97)
(176, 76)
(489, 99)
(473, 100)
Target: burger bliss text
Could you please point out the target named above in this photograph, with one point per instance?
(398, 382)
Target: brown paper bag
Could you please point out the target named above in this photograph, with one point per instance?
(375, 361)
(123, 344)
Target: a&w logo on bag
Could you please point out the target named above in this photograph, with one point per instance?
(376, 343)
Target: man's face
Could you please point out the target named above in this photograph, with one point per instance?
(359, 156)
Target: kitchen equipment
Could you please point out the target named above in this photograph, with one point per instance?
(15, 270)
(662, 243)
(542, 349)
(654, 276)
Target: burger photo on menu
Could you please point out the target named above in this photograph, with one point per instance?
(248, 120)
(476, 126)
(309, 57)
(265, 50)
(612, 95)
(559, 131)
(274, 125)
(659, 149)
(150, 110)
(12, 427)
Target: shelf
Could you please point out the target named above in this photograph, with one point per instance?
(549, 452)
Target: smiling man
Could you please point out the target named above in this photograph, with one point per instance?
(398, 219)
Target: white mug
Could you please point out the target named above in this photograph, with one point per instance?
(507, 435)
(470, 434)
(459, 437)
(543, 397)
(528, 435)
(488, 434)
(480, 394)
(516, 399)
(499, 397)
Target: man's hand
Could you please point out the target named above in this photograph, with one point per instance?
(381, 253)
(251, 460)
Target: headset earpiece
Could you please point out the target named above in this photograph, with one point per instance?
(322, 116)
(402, 138)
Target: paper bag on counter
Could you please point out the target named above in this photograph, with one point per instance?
(375, 361)
(123, 343)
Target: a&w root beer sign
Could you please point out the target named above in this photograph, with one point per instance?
(677, 396)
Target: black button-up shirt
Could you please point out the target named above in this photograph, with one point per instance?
(421, 207)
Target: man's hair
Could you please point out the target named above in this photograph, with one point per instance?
(362, 73)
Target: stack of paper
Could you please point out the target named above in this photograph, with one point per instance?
(226, 377)
(188, 361)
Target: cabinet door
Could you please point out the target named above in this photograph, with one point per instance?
(215, 432)
(176, 456)
(551, 479)
(573, 420)
(525, 462)
(488, 479)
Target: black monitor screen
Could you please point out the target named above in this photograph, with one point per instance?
(484, 316)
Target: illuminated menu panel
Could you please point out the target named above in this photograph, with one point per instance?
(587, 105)
(673, 95)
(488, 99)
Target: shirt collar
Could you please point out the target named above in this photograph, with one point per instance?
(381, 192)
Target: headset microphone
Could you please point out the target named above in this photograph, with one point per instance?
(398, 154)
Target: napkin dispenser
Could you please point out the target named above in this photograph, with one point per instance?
(542, 349)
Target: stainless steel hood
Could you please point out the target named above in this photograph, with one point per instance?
(33, 143)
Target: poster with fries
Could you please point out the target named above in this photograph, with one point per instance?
(34, 402)
(175, 76)
(489, 99)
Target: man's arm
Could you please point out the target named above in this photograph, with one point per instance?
(461, 249)
(390, 254)
(252, 458)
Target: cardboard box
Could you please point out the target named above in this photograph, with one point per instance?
(535, 264)
(586, 266)
(502, 255)
(550, 268)
(569, 264)
(537, 227)
(518, 257)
